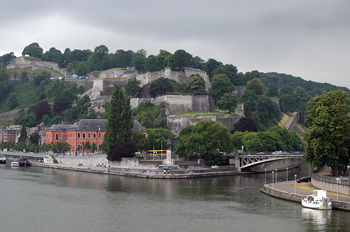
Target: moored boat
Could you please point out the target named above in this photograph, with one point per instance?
(24, 162)
(318, 200)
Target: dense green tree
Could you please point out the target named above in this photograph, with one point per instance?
(41, 77)
(132, 87)
(5, 84)
(33, 50)
(93, 147)
(220, 85)
(70, 68)
(256, 85)
(24, 76)
(268, 111)
(211, 65)
(140, 63)
(228, 102)
(207, 140)
(6, 59)
(23, 137)
(288, 102)
(272, 90)
(82, 69)
(246, 124)
(197, 62)
(119, 123)
(61, 104)
(328, 137)
(87, 146)
(34, 138)
(12, 101)
(52, 55)
(196, 85)
(250, 99)
(181, 59)
(160, 87)
(152, 64)
(248, 76)
(161, 57)
(231, 72)
(158, 138)
(140, 141)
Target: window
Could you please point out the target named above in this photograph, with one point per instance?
(56, 136)
(94, 135)
(99, 135)
(83, 135)
(78, 135)
(89, 135)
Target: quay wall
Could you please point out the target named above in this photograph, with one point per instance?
(330, 183)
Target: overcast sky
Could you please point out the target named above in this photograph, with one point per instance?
(309, 39)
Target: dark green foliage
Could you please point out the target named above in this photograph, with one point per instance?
(160, 87)
(148, 115)
(180, 59)
(6, 59)
(228, 102)
(34, 138)
(272, 90)
(211, 65)
(207, 136)
(268, 111)
(33, 50)
(231, 72)
(139, 63)
(53, 55)
(256, 85)
(12, 101)
(127, 149)
(220, 85)
(23, 137)
(158, 138)
(133, 87)
(196, 85)
(246, 124)
(5, 85)
(61, 104)
(288, 103)
(82, 69)
(140, 141)
(119, 123)
(161, 57)
(248, 76)
(39, 78)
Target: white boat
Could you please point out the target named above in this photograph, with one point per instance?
(318, 200)
(14, 164)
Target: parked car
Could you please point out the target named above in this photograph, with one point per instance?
(304, 179)
(260, 153)
(215, 167)
(166, 168)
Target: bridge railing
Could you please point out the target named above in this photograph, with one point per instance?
(210, 167)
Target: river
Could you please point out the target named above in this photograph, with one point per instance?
(41, 199)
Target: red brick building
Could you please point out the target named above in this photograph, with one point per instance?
(79, 133)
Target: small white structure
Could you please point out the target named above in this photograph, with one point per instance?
(318, 200)
(168, 160)
(14, 164)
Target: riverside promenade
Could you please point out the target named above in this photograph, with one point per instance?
(292, 191)
(141, 173)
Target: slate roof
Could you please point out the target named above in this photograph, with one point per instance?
(90, 125)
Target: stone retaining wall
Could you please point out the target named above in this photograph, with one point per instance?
(330, 183)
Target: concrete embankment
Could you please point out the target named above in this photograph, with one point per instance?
(288, 191)
(140, 173)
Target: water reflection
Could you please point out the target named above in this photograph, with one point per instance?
(317, 219)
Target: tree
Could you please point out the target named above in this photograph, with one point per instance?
(231, 72)
(211, 65)
(228, 102)
(256, 85)
(328, 137)
(24, 76)
(139, 63)
(220, 85)
(33, 50)
(160, 86)
(140, 141)
(119, 122)
(250, 99)
(152, 64)
(87, 146)
(288, 102)
(132, 87)
(248, 76)
(196, 85)
(23, 137)
(181, 59)
(272, 90)
(12, 101)
(60, 104)
(93, 147)
(158, 138)
(82, 69)
(268, 111)
(127, 149)
(207, 140)
(246, 124)
(34, 138)
(5, 84)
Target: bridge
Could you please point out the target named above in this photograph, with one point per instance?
(28, 155)
(258, 163)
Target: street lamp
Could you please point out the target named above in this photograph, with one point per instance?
(287, 173)
(337, 179)
(265, 175)
(295, 176)
(273, 181)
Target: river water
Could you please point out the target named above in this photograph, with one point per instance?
(41, 199)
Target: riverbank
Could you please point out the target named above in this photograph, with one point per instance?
(142, 173)
(291, 191)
